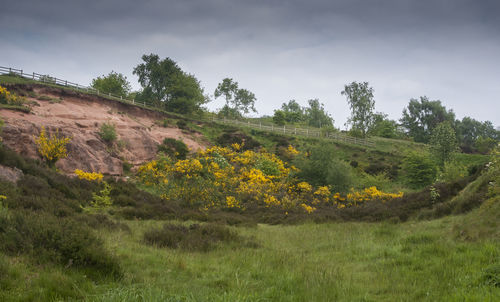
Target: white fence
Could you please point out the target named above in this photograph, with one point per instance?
(290, 130)
(272, 128)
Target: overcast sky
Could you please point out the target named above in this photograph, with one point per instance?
(448, 50)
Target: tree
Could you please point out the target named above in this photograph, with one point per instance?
(443, 142)
(238, 101)
(360, 99)
(168, 86)
(422, 116)
(114, 83)
(316, 115)
(383, 127)
(294, 113)
(279, 117)
(420, 170)
(469, 131)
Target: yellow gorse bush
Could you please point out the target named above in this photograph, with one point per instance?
(88, 175)
(222, 177)
(51, 148)
(6, 97)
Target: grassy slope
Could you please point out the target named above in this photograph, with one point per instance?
(415, 261)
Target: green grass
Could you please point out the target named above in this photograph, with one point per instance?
(415, 261)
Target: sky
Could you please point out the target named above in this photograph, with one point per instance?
(447, 50)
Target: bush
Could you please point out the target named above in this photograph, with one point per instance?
(51, 148)
(321, 168)
(57, 240)
(108, 132)
(420, 170)
(193, 238)
(174, 148)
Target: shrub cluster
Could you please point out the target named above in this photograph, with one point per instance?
(107, 132)
(174, 148)
(233, 179)
(193, 238)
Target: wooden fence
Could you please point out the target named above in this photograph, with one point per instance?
(290, 130)
(44, 78)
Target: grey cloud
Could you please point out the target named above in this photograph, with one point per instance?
(446, 49)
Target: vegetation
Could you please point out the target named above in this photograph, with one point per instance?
(443, 142)
(360, 99)
(108, 132)
(51, 148)
(238, 101)
(114, 83)
(174, 148)
(422, 116)
(166, 86)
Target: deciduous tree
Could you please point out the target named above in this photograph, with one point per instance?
(360, 99)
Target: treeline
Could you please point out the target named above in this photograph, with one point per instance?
(165, 85)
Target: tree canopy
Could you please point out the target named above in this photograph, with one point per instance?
(238, 101)
(360, 99)
(114, 83)
(168, 86)
(422, 116)
(443, 142)
(316, 114)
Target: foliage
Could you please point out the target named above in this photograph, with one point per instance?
(193, 238)
(484, 144)
(383, 127)
(294, 113)
(238, 101)
(420, 169)
(279, 117)
(168, 86)
(114, 83)
(452, 170)
(320, 167)
(422, 116)
(469, 131)
(107, 132)
(90, 176)
(174, 148)
(51, 148)
(443, 142)
(6, 97)
(316, 115)
(360, 99)
(101, 201)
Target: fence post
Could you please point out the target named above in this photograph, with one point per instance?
(284, 129)
(272, 127)
(21, 72)
(307, 132)
(66, 84)
(260, 125)
(33, 76)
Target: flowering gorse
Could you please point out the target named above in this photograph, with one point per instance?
(6, 97)
(51, 148)
(90, 176)
(222, 177)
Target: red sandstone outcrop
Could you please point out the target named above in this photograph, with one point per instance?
(80, 116)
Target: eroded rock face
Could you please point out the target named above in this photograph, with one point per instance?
(80, 117)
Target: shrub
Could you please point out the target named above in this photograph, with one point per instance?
(57, 240)
(174, 148)
(193, 238)
(51, 148)
(321, 168)
(181, 124)
(420, 170)
(108, 132)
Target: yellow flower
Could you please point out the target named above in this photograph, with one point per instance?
(88, 175)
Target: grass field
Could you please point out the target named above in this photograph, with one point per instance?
(414, 261)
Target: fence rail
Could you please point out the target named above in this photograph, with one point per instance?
(45, 78)
(299, 131)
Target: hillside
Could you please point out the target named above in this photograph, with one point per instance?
(80, 116)
(254, 216)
